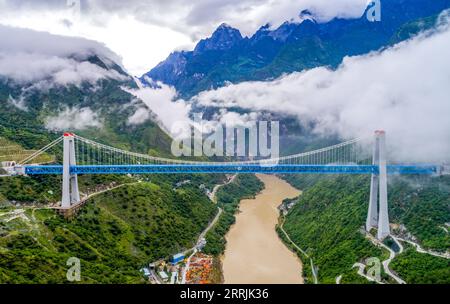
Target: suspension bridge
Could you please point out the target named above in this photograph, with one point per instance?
(82, 156)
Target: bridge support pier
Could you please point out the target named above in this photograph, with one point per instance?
(377, 214)
(70, 193)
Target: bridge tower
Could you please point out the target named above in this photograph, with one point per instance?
(70, 193)
(378, 202)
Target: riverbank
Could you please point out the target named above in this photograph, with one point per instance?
(244, 186)
(254, 253)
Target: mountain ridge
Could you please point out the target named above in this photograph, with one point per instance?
(268, 54)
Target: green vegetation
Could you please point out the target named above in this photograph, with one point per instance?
(38, 189)
(419, 268)
(47, 189)
(327, 220)
(10, 151)
(422, 204)
(413, 28)
(3, 200)
(228, 198)
(114, 235)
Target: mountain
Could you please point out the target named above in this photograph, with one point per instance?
(226, 56)
(69, 84)
(223, 39)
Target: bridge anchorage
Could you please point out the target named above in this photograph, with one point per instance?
(84, 156)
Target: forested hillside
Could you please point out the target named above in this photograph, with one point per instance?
(329, 219)
(115, 234)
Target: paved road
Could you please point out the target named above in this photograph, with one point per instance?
(213, 222)
(421, 250)
(204, 232)
(212, 195)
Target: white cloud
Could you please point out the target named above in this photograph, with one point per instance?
(233, 119)
(174, 114)
(28, 56)
(162, 102)
(73, 119)
(404, 90)
(140, 116)
(144, 32)
(18, 103)
(31, 41)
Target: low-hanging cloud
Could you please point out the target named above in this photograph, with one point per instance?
(404, 90)
(18, 103)
(174, 115)
(162, 102)
(73, 119)
(140, 116)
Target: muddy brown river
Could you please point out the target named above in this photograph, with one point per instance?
(254, 252)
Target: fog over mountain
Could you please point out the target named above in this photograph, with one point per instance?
(73, 119)
(28, 56)
(57, 83)
(161, 101)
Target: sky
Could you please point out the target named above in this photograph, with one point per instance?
(144, 32)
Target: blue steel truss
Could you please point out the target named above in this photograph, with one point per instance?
(232, 168)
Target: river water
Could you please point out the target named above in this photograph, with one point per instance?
(254, 252)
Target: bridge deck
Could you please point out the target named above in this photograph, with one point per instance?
(232, 168)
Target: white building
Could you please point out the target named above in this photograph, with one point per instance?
(163, 275)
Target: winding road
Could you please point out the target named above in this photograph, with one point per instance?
(420, 249)
(386, 262)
